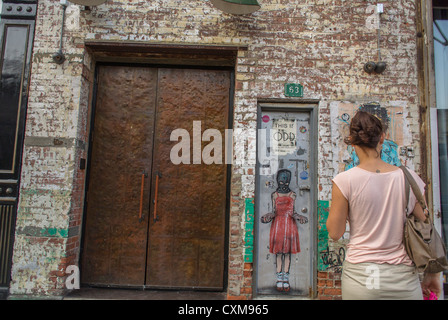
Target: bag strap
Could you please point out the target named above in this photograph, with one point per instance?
(418, 194)
(407, 188)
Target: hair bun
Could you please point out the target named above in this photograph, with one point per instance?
(364, 137)
(365, 130)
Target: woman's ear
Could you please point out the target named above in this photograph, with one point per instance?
(383, 137)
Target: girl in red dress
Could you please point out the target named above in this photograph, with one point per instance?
(284, 234)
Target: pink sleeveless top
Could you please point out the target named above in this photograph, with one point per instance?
(376, 214)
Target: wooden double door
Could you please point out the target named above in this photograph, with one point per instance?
(150, 222)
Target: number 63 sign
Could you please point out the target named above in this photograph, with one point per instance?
(293, 90)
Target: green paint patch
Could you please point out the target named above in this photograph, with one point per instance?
(31, 231)
(323, 208)
(249, 217)
(54, 232)
(331, 254)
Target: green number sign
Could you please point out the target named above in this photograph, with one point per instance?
(293, 90)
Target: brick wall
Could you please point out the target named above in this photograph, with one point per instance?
(329, 285)
(322, 44)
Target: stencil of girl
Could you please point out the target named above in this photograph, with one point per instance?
(284, 234)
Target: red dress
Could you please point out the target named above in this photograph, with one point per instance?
(284, 235)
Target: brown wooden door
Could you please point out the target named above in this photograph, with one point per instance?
(136, 111)
(186, 242)
(115, 237)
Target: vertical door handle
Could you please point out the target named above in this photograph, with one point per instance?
(142, 190)
(158, 174)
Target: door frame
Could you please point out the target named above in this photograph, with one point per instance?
(91, 127)
(281, 105)
(10, 180)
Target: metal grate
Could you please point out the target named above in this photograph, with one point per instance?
(6, 223)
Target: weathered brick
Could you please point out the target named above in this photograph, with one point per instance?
(321, 44)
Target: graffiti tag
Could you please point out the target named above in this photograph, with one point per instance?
(333, 260)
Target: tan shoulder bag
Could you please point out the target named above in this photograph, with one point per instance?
(421, 240)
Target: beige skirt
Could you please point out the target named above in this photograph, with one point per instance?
(372, 281)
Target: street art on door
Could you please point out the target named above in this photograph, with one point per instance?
(284, 235)
(284, 245)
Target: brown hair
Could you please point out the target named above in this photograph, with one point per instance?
(365, 130)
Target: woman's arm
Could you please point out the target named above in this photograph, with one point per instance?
(418, 210)
(431, 281)
(338, 214)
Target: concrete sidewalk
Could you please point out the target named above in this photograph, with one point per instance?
(135, 294)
